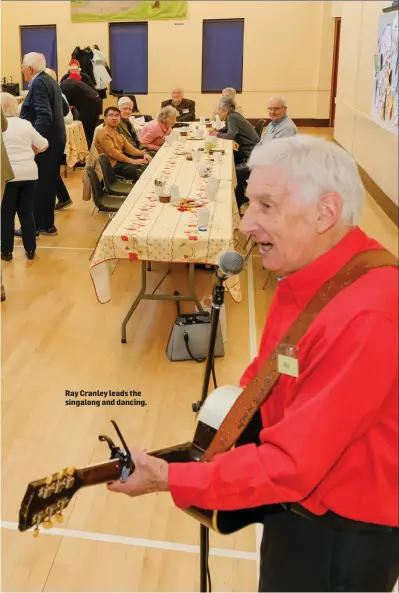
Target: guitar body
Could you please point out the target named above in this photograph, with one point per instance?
(212, 413)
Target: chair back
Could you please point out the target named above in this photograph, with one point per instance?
(109, 177)
(259, 127)
(96, 187)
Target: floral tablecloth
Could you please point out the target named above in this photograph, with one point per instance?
(76, 148)
(146, 229)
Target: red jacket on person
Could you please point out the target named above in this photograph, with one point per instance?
(330, 436)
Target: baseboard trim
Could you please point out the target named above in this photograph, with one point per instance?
(378, 195)
(305, 122)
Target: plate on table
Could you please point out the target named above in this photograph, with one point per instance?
(188, 204)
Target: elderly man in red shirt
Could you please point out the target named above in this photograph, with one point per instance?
(327, 463)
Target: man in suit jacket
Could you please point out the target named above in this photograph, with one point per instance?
(43, 107)
(185, 107)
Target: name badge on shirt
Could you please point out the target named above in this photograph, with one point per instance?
(287, 360)
(186, 111)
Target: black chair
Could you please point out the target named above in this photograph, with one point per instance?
(259, 127)
(112, 186)
(103, 201)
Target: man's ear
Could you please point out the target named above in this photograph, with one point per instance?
(329, 208)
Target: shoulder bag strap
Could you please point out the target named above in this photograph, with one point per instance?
(259, 389)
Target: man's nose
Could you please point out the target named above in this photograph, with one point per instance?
(248, 222)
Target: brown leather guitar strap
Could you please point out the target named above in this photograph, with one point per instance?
(260, 388)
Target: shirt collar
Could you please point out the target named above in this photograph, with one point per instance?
(304, 283)
(276, 123)
(33, 78)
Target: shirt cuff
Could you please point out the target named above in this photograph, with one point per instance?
(187, 482)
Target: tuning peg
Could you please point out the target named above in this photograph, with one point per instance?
(58, 517)
(49, 480)
(60, 474)
(70, 470)
(48, 524)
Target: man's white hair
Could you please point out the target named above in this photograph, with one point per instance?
(282, 99)
(124, 101)
(315, 167)
(35, 61)
(9, 105)
(229, 91)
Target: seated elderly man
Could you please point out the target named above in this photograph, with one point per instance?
(231, 93)
(153, 134)
(185, 107)
(238, 129)
(119, 151)
(280, 126)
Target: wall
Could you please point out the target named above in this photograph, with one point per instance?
(287, 50)
(374, 148)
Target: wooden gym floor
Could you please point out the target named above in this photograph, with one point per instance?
(56, 336)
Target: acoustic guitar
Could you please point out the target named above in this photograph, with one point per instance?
(48, 497)
(229, 417)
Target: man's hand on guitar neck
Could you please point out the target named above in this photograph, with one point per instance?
(150, 475)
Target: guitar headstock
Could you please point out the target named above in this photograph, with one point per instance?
(47, 498)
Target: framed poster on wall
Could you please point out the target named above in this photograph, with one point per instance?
(385, 100)
(127, 10)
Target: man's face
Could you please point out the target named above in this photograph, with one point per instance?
(276, 109)
(112, 119)
(177, 95)
(27, 73)
(283, 227)
(126, 110)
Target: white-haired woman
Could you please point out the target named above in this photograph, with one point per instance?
(153, 134)
(22, 142)
(238, 129)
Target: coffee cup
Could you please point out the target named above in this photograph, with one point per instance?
(196, 154)
(203, 215)
(204, 170)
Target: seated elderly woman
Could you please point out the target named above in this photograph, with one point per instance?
(238, 129)
(22, 142)
(153, 134)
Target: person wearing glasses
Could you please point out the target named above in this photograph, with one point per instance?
(128, 162)
(280, 126)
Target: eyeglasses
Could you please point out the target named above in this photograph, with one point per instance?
(275, 108)
(113, 115)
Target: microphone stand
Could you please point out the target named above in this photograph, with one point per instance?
(217, 302)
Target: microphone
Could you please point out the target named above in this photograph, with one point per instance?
(230, 264)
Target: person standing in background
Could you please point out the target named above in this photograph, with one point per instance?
(6, 175)
(43, 107)
(22, 142)
(87, 101)
(64, 199)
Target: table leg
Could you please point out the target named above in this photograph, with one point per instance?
(137, 300)
(142, 295)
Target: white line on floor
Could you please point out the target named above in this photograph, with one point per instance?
(135, 541)
(59, 247)
(253, 350)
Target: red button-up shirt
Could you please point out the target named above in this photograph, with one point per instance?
(330, 436)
